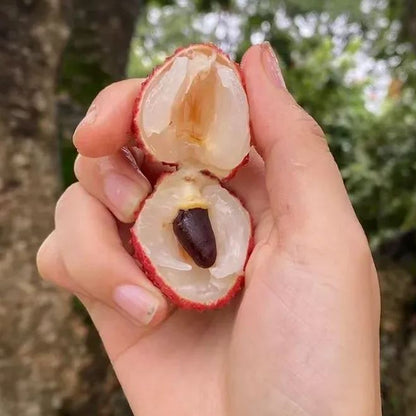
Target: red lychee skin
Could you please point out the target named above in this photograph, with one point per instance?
(137, 104)
(140, 254)
(152, 274)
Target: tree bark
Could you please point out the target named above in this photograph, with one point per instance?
(41, 340)
(409, 22)
(46, 350)
(98, 49)
(397, 266)
(96, 55)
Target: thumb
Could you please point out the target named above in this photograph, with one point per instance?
(303, 181)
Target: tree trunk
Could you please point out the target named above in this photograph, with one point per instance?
(98, 49)
(409, 22)
(41, 339)
(397, 267)
(96, 55)
(46, 350)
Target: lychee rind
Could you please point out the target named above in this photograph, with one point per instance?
(137, 108)
(157, 272)
(151, 270)
(151, 273)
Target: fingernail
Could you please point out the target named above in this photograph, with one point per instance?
(89, 118)
(124, 194)
(137, 302)
(271, 65)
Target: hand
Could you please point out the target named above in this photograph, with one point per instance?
(303, 340)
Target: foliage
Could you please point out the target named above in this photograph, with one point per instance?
(346, 67)
(84, 70)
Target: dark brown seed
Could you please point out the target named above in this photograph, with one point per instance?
(193, 230)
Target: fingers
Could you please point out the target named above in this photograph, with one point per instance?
(249, 185)
(51, 267)
(107, 124)
(117, 332)
(303, 181)
(97, 262)
(115, 182)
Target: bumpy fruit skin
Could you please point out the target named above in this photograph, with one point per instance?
(154, 277)
(151, 273)
(139, 252)
(138, 102)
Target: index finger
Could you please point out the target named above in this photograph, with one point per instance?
(107, 125)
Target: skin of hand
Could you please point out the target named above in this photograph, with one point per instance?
(302, 340)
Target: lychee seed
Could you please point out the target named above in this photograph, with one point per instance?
(164, 258)
(192, 228)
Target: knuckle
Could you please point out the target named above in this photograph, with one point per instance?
(78, 166)
(42, 264)
(309, 125)
(358, 243)
(315, 132)
(43, 261)
(310, 136)
(314, 128)
(65, 200)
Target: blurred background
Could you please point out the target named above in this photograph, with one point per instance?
(350, 63)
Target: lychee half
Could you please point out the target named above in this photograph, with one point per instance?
(164, 258)
(192, 236)
(193, 109)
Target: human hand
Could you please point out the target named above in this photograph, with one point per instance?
(303, 338)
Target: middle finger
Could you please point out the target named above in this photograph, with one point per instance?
(114, 181)
(96, 260)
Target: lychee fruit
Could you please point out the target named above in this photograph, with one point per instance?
(192, 236)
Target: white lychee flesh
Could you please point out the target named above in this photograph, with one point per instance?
(172, 268)
(194, 109)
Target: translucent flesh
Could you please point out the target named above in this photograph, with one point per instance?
(230, 222)
(195, 111)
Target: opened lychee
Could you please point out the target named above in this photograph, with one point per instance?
(192, 236)
(193, 110)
